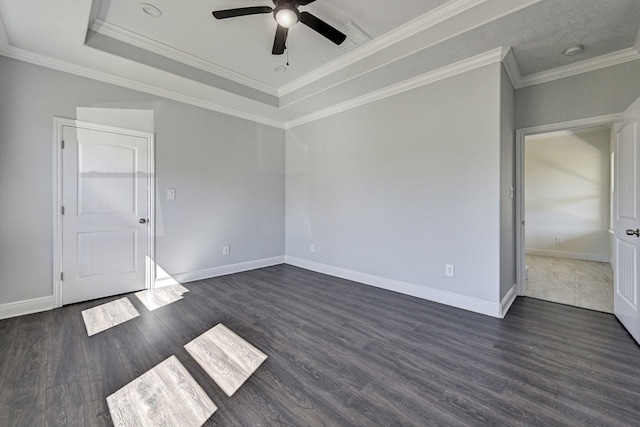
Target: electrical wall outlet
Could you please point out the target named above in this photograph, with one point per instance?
(226, 250)
(171, 194)
(558, 239)
(449, 270)
(313, 247)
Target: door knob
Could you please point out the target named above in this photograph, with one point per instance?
(635, 232)
(142, 221)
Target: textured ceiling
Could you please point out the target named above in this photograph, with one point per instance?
(601, 26)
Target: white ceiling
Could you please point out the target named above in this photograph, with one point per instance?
(226, 65)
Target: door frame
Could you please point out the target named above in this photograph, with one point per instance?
(607, 120)
(58, 124)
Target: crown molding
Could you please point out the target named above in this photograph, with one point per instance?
(421, 23)
(504, 54)
(136, 40)
(45, 61)
(33, 58)
(603, 61)
(512, 68)
(490, 57)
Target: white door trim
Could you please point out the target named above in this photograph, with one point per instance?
(58, 124)
(520, 202)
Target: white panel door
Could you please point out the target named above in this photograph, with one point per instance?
(105, 225)
(627, 224)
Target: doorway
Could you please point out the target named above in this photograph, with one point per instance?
(567, 217)
(564, 206)
(104, 198)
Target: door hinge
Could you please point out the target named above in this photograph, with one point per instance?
(61, 210)
(62, 276)
(62, 144)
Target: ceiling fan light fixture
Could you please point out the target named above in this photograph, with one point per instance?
(286, 15)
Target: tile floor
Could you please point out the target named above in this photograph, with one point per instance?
(586, 284)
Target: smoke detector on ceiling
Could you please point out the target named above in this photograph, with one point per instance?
(573, 50)
(151, 10)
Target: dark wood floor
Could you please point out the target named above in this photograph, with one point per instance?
(340, 354)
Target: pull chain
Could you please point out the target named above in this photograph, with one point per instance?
(287, 47)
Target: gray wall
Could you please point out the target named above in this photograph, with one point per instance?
(402, 186)
(228, 174)
(597, 93)
(507, 181)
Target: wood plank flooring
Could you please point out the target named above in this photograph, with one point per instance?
(339, 354)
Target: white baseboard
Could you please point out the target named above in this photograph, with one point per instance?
(570, 255)
(218, 271)
(435, 295)
(508, 299)
(20, 308)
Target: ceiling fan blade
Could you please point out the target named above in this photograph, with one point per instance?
(304, 2)
(322, 27)
(242, 11)
(280, 41)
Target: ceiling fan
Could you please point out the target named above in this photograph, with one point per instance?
(286, 14)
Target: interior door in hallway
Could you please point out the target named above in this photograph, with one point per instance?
(106, 184)
(627, 221)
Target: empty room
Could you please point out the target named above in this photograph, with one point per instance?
(319, 212)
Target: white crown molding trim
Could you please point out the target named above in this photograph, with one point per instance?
(56, 64)
(219, 271)
(429, 19)
(145, 43)
(603, 61)
(20, 308)
(469, 64)
(569, 255)
(512, 68)
(448, 298)
(507, 301)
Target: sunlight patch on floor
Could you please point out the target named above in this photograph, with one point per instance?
(108, 315)
(165, 395)
(228, 359)
(160, 297)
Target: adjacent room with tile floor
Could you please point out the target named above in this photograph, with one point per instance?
(587, 284)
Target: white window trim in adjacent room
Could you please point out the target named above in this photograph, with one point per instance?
(58, 124)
